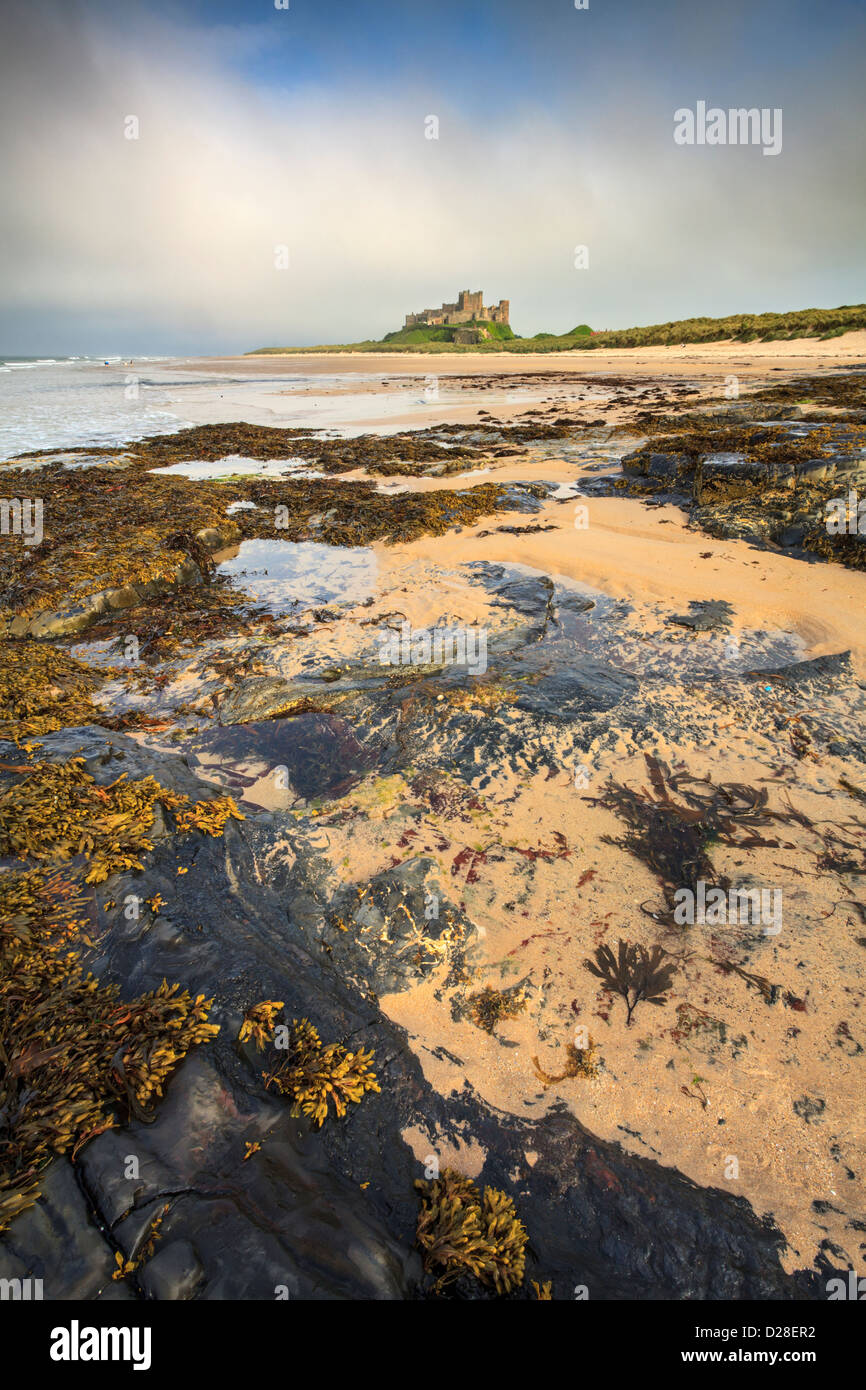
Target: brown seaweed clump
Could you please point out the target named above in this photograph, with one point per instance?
(107, 529)
(180, 618)
(314, 1075)
(71, 1049)
(43, 690)
(117, 539)
(489, 1006)
(840, 391)
(672, 824)
(579, 1061)
(56, 812)
(409, 452)
(259, 1021)
(460, 1232)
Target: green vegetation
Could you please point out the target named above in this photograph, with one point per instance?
(744, 328)
(501, 332)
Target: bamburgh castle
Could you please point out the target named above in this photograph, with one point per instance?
(469, 308)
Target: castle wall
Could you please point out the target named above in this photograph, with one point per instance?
(469, 306)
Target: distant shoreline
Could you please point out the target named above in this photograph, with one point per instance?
(693, 359)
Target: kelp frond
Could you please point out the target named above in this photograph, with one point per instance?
(635, 973)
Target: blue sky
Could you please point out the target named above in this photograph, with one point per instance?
(305, 128)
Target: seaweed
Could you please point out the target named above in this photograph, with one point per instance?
(72, 1050)
(409, 452)
(314, 1075)
(672, 836)
(104, 530)
(43, 690)
(56, 812)
(460, 1232)
(182, 617)
(777, 479)
(259, 1021)
(767, 990)
(123, 1266)
(120, 538)
(579, 1061)
(635, 973)
(489, 1006)
(842, 390)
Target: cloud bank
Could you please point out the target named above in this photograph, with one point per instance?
(171, 241)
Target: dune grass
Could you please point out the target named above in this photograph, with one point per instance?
(743, 328)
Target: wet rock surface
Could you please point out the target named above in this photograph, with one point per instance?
(786, 482)
(331, 1214)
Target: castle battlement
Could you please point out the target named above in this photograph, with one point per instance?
(469, 308)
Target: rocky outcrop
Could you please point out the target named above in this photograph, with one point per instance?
(77, 617)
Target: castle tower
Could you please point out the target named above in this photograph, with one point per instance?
(469, 306)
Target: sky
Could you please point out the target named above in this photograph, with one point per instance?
(280, 186)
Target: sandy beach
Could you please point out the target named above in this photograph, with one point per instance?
(640, 643)
(703, 360)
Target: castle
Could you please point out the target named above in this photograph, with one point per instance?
(468, 309)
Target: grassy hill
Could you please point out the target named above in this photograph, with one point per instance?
(743, 328)
(500, 332)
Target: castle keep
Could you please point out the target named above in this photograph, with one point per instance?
(468, 309)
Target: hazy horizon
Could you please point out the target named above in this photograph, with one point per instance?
(306, 128)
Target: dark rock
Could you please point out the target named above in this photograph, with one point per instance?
(654, 464)
(173, 1273)
(792, 536)
(706, 615)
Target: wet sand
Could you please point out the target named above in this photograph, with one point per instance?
(760, 1101)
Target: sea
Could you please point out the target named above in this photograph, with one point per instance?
(60, 402)
(57, 403)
